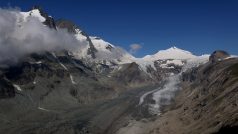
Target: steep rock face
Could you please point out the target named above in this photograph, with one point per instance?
(131, 74)
(49, 21)
(57, 70)
(208, 102)
(74, 29)
(6, 89)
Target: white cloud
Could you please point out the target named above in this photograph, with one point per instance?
(134, 48)
(19, 39)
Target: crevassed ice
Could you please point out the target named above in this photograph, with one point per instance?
(166, 94)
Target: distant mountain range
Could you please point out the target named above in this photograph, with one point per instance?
(74, 83)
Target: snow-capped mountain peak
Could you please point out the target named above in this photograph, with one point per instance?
(101, 45)
(106, 52)
(171, 53)
(109, 52)
(33, 13)
(95, 49)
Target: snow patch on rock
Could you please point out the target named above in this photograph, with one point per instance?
(17, 87)
(72, 79)
(40, 108)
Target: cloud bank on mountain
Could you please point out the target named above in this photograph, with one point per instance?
(19, 38)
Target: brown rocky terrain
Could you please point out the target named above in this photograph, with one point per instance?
(206, 105)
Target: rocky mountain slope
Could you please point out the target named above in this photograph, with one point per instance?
(99, 88)
(207, 104)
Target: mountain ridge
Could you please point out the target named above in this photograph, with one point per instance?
(73, 28)
(95, 87)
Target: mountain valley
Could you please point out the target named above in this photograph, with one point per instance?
(94, 87)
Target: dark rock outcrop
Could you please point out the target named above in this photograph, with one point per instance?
(131, 74)
(6, 89)
(218, 55)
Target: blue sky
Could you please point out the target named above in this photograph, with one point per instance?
(199, 26)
